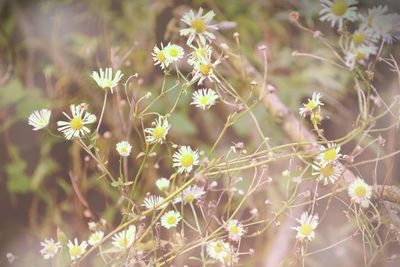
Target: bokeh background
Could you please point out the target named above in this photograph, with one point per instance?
(47, 52)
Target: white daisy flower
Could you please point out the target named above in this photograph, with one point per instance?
(50, 248)
(312, 103)
(151, 201)
(124, 148)
(307, 226)
(76, 250)
(329, 153)
(204, 51)
(204, 98)
(162, 184)
(159, 57)
(336, 11)
(95, 237)
(105, 79)
(360, 192)
(235, 229)
(218, 250)
(124, 239)
(359, 55)
(173, 53)
(204, 69)
(189, 194)
(199, 26)
(75, 127)
(159, 132)
(385, 26)
(170, 219)
(39, 119)
(185, 158)
(328, 173)
(363, 36)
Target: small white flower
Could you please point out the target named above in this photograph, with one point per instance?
(235, 230)
(39, 119)
(204, 51)
(204, 98)
(105, 79)
(312, 103)
(336, 11)
(388, 26)
(159, 57)
(162, 184)
(159, 132)
(170, 219)
(199, 26)
(328, 173)
(173, 53)
(363, 36)
(329, 154)
(124, 148)
(50, 248)
(359, 55)
(76, 250)
(185, 158)
(307, 226)
(360, 192)
(95, 237)
(151, 201)
(124, 239)
(203, 69)
(75, 127)
(218, 250)
(189, 194)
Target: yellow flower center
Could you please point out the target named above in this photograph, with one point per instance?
(75, 251)
(234, 229)
(189, 198)
(51, 247)
(199, 25)
(123, 242)
(173, 52)
(310, 105)
(339, 8)
(204, 100)
(358, 38)
(218, 248)
(360, 56)
(205, 69)
(187, 160)
(201, 51)
(327, 171)
(161, 56)
(171, 219)
(76, 124)
(306, 229)
(360, 191)
(330, 154)
(159, 132)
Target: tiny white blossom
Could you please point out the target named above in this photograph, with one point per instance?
(124, 239)
(159, 57)
(189, 194)
(359, 55)
(75, 127)
(235, 229)
(95, 238)
(173, 53)
(159, 132)
(199, 26)
(336, 11)
(76, 250)
(329, 154)
(204, 98)
(106, 79)
(185, 158)
(162, 184)
(312, 103)
(308, 223)
(203, 51)
(328, 172)
(39, 119)
(218, 250)
(151, 201)
(203, 69)
(360, 192)
(170, 219)
(123, 148)
(50, 248)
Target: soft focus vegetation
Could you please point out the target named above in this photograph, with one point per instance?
(262, 160)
